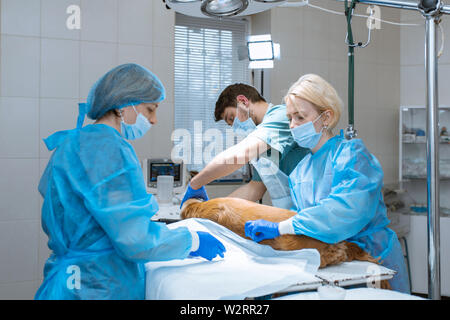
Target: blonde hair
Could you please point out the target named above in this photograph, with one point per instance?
(320, 93)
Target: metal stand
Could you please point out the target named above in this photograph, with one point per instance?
(406, 255)
(262, 82)
(432, 11)
(434, 274)
(262, 94)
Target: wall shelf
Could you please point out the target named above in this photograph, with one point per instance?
(413, 181)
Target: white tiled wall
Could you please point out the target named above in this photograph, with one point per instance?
(20, 60)
(21, 17)
(15, 141)
(46, 69)
(413, 59)
(60, 68)
(100, 20)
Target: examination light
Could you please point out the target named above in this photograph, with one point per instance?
(262, 51)
(184, 1)
(269, 1)
(223, 8)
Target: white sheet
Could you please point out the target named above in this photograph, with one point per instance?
(247, 270)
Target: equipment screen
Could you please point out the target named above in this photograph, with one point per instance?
(165, 169)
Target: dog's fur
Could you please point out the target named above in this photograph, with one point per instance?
(233, 213)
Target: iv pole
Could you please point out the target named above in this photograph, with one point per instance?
(432, 11)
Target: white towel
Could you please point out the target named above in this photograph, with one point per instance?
(247, 270)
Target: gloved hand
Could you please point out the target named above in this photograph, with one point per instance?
(191, 193)
(259, 230)
(209, 246)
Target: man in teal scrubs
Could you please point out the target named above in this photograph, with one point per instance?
(266, 130)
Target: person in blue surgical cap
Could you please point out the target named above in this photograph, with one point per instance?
(96, 211)
(337, 187)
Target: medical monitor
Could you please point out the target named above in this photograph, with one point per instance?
(164, 167)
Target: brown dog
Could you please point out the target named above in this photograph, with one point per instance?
(233, 213)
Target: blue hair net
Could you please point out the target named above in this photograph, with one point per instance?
(127, 84)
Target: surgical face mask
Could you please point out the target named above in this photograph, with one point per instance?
(243, 128)
(306, 136)
(136, 130)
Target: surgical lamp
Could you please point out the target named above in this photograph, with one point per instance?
(217, 8)
(269, 1)
(262, 51)
(223, 8)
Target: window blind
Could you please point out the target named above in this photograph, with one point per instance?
(206, 62)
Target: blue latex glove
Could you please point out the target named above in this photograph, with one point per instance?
(209, 246)
(198, 194)
(259, 230)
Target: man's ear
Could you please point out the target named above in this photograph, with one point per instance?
(243, 99)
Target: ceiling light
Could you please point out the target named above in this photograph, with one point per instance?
(269, 1)
(223, 8)
(184, 1)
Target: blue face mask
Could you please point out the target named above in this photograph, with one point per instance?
(306, 136)
(136, 130)
(243, 128)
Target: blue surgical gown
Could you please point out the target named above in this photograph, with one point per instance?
(338, 195)
(96, 213)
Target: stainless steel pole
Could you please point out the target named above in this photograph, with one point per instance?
(431, 66)
(445, 9)
(408, 5)
(391, 4)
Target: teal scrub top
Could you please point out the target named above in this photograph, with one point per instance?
(274, 130)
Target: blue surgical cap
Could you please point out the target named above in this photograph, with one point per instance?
(125, 85)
